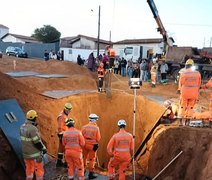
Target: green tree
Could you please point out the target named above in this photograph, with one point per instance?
(46, 34)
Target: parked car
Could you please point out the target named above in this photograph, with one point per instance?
(16, 51)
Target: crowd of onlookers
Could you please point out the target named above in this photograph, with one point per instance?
(53, 55)
(142, 68)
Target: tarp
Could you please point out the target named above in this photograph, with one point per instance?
(22, 73)
(11, 118)
(57, 94)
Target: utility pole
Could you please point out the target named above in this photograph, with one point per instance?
(98, 32)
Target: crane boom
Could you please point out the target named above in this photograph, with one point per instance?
(160, 28)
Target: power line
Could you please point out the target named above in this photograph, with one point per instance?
(181, 24)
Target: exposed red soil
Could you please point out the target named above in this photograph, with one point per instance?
(160, 149)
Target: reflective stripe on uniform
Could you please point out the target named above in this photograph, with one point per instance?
(39, 178)
(29, 176)
(121, 135)
(70, 177)
(32, 155)
(109, 150)
(190, 86)
(122, 149)
(90, 127)
(29, 139)
(190, 72)
(72, 145)
(72, 132)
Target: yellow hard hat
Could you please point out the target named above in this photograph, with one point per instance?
(68, 106)
(32, 114)
(189, 62)
(70, 122)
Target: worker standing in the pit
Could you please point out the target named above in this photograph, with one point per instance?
(92, 136)
(101, 73)
(119, 148)
(61, 119)
(33, 148)
(153, 72)
(205, 86)
(189, 85)
(73, 142)
(111, 55)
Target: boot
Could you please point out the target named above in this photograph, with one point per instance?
(153, 86)
(91, 175)
(59, 160)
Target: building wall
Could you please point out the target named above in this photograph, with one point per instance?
(3, 31)
(11, 38)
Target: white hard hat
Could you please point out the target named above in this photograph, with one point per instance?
(167, 103)
(154, 60)
(93, 117)
(121, 122)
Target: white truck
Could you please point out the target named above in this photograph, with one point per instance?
(136, 52)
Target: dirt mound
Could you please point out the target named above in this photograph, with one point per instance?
(195, 161)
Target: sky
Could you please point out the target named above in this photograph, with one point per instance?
(187, 21)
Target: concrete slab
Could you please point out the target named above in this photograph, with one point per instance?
(11, 118)
(57, 94)
(159, 99)
(22, 73)
(51, 75)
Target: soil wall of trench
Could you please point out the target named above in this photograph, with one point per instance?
(110, 110)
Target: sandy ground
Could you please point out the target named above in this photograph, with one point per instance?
(162, 147)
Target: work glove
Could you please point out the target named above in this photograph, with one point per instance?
(95, 147)
(60, 136)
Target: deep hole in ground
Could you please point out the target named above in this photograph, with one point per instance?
(165, 143)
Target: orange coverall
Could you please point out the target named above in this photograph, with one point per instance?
(153, 74)
(73, 142)
(92, 136)
(119, 148)
(209, 85)
(189, 84)
(101, 74)
(61, 128)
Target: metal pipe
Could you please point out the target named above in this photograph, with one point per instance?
(168, 165)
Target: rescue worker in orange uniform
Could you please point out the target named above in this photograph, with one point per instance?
(92, 136)
(189, 85)
(170, 113)
(61, 119)
(153, 72)
(33, 148)
(119, 148)
(101, 73)
(111, 54)
(205, 86)
(73, 142)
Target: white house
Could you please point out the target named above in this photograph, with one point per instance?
(81, 45)
(18, 38)
(3, 30)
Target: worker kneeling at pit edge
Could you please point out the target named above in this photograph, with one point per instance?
(92, 136)
(33, 148)
(73, 141)
(119, 148)
(170, 114)
(61, 120)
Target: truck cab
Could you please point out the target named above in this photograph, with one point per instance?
(135, 53)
